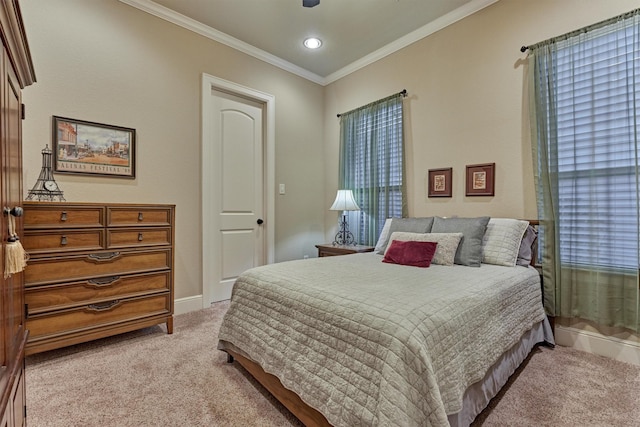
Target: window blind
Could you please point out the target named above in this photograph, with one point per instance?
(373, 164)
(596, 103)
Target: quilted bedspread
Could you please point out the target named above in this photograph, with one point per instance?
(373, 344)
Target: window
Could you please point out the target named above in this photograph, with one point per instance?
(372, 165)
(596, 104)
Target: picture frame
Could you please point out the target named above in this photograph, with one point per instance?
(481, 179)
(440, 182)
(81, 147)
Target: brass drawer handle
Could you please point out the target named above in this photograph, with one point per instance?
(140, 218)
(106, 256)
(139, 237)
(63, 216)
(63, 240)
(103, 281)
(104, 306)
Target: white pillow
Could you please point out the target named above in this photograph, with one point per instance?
(384, 237)
(447, 244)
(501, 241)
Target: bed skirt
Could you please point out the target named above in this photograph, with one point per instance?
(477, 396)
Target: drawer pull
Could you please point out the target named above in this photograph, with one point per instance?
(139, 237)
(106, 256)
(104, 306)
(63, 216)
(103, 281)
(139, 216)
(63, 240)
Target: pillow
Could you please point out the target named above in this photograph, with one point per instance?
(447, 244)
(383, 239)
(501, 242)
(470, 249)
(414, 253)
(526, 247)
(410, 225)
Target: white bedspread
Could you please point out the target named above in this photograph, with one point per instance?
(369, 343)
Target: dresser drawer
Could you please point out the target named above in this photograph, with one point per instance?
(93, 315)
(56, 297)
(121, 238)
(53, 216)
(132, 216)
(65, 240)
(41, 270)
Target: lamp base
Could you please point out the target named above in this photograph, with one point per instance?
(344, 236)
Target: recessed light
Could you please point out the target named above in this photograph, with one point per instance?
(312, 43)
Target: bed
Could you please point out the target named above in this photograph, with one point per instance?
(354, 341)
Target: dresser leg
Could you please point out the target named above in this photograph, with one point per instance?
(170, 325)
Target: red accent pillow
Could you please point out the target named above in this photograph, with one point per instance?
(417, 254)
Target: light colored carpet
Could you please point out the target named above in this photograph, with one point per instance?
(149, 378)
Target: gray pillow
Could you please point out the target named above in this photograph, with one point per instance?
(470, 249)
(409, 225)
(526, 247)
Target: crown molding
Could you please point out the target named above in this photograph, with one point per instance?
(213, 34)
(192, 25)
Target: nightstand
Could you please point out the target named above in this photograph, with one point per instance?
(333, 250)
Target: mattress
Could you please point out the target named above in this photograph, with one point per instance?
(371, 343)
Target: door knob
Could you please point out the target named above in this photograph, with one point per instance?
(259, 221)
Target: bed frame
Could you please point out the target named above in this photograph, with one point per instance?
(305, 413)
(309, 416)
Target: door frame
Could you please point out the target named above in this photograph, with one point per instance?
(210, 270)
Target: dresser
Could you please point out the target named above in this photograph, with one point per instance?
(96, 270)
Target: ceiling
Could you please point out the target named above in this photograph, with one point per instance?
(354, 32)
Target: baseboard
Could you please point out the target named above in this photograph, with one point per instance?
(591, 342)
(185, 305)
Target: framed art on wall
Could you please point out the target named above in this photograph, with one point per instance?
(440, 182)
(481, 179)
(89, 148)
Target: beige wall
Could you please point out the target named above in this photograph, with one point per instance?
(465, 103)
(106, 62)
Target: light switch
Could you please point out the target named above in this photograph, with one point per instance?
(281, 189)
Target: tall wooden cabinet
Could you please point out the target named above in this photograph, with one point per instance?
(16, 69)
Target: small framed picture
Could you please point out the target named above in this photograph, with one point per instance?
(440, 182)
(87, 148)
(481, 179)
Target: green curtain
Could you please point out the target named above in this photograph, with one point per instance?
(584, 93)
(372, 164)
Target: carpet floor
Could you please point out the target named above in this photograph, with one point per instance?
(149, 378)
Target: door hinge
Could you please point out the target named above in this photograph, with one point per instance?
(26, 311)
(22, 111)
(25, 411)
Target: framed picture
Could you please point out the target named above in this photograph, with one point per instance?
(88, 148)
(440, 182)
(481, 179)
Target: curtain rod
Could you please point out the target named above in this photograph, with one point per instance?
(586, 29)
(403, 92)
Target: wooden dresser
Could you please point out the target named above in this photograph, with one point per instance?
(96, 270)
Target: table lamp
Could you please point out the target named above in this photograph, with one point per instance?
(344, 202)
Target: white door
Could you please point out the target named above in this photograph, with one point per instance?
(238, 140)
(238, 164)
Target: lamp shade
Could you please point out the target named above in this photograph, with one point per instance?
(344, 202)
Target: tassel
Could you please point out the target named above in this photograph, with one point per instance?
(15, 259)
